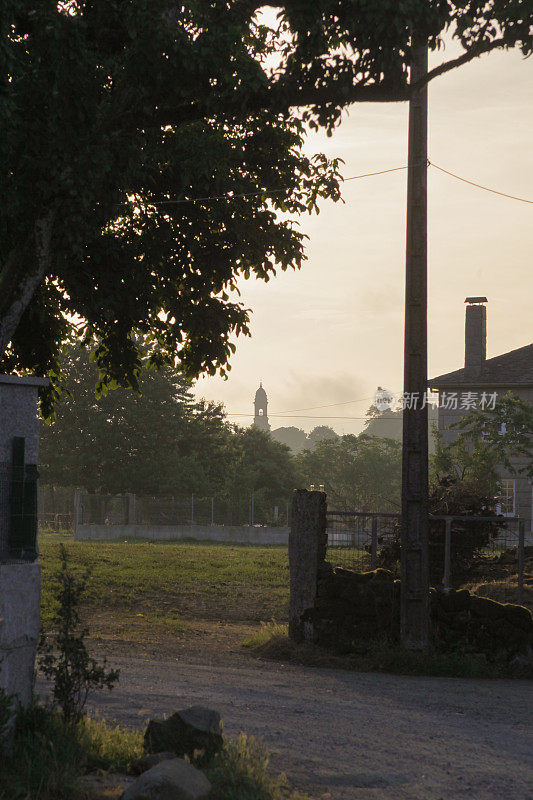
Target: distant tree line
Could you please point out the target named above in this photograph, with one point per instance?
(162, 441)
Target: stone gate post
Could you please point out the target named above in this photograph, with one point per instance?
(20, 574)
(307, 551)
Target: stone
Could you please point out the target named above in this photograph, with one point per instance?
(453, 601)
(145, 763)
(194, 728)
(172, 779)
(483, 607)
(519, 616)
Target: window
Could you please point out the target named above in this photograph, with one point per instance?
(506, 506)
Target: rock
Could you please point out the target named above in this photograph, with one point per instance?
(172, 779)
(195, 728)
(518, 616)
(508, 557)
(453, 601)
(483, 607)
(145, 763)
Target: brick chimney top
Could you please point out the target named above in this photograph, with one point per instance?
(475, 334)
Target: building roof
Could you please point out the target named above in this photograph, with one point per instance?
(510, 369)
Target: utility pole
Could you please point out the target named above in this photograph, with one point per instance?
(414, 550)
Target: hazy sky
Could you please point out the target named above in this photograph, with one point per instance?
(333, 332)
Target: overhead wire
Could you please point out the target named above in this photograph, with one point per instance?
(236, 195)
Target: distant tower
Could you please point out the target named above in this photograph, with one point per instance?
(260, 409)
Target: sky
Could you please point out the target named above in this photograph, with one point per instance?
(332, 332)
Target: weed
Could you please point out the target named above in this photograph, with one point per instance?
(378, 655)
(268, 631)
(6, 710)
(46, 758)
(64, 657)
(109, 747)
(240, 772)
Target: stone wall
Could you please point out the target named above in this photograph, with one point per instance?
(350, 608)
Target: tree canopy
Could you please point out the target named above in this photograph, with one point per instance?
(361, 473)
(146, 150)
(161, 442)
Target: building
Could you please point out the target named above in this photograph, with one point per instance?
(483, 377)
(261, 409)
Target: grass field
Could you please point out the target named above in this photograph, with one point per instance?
(143, 592)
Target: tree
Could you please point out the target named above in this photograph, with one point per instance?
(118, 117)
(387, 423)
(359, 473)
(319, 434)
(489, 439)
(261, 466)
(293, 437)
(159, 442)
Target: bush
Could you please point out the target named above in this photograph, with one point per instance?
(468, 539)
(63, 656)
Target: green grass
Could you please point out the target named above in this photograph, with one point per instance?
(170, 584)
(240, 772)
(272, 642)
(266, 632)
(109, 747)
(50, 757)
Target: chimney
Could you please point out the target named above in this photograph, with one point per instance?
(475, 333)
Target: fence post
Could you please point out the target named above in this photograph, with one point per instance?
(212, 511)
(130, 509)
(252, 509)
(192, 508)
(77, 511)
(307, 552)
(447, 552)
(374, 544)
(521, 542)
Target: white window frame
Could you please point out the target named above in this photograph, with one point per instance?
(511, 484)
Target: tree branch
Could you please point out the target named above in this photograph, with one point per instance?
(475, 52)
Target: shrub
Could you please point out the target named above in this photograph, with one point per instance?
(468, 539)
(63, 655)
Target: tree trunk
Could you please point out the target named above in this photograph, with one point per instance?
(18, 283)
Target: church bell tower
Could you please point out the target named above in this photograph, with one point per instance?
(260, 409)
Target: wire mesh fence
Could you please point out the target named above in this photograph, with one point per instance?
(458, 544)
(127, 509)
(355, 538)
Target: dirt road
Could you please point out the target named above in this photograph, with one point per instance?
(353, 736)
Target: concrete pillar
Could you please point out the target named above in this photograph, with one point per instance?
(307, 551)
(20, 576)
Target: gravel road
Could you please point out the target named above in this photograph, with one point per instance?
(347, 735)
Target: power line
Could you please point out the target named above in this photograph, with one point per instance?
(329, 405)
(479, 185)
(230, 195)
(311, 416)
